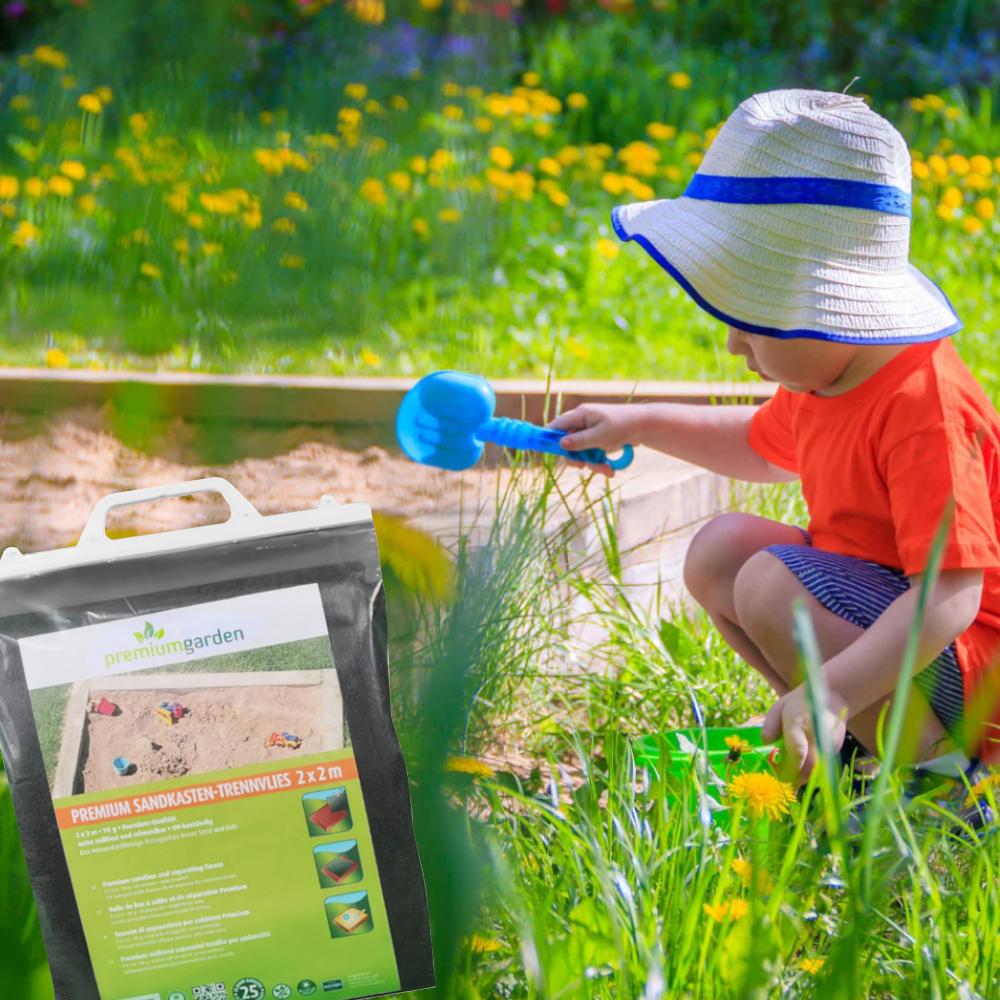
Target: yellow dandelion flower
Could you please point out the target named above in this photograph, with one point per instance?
(372, 107)
(945, 212)
(283, 138)
(952, 114)
(938, 165)
(469, 765)
(451, 89)
(356, 91)
(420, 228)
(720, 911)
(284, 226)
(373, 190)
(559, 198)
(608, 249)
(920, 170)
(643, 192)
(87, 204)
(933, 101)
(441, 160)
(349, 116)
(296, 201)
(211, 249)
(762, 794)
(981, 165)
(745, 872)
(679, 81)
(737, 746)
(26, 234)
(431, 4)
(577, 101)
(8, 187)
(51, 57)
(20, 102)
(952, 197)
(660, 132)
(34, 187)
(985, 208)
(959, 164)
(55, 358)
(7, 210)
(139, 124)
(694, 158)
(811, 965)
(453, 112)
(61, 186)
(502, 157)
(150, 270)
(196, 221)
(918, 104)
(542, 129)
(90, 103)
(483, 124)
(449, 215)
(104, 94)
(550, 166)
(329, 140)
(531, 79)
(370, 358)
(418, 165)
(398, 103)
(401, 181)
(367, 11)
(140, 236)
(73, 169)
(972, 225)
(612, 183)
(181, 246)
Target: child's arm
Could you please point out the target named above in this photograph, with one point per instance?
(714, 437)
(867, 670)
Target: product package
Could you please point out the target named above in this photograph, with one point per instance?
(197, 734)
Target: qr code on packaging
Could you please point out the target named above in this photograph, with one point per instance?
(211, 991)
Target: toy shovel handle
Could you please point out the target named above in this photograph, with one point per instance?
(519, 435)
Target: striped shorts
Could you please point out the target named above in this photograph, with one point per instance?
(859, 592)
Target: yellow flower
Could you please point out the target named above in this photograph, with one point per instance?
(283, 138)
(972, 225)
(87, 204)
(373, 190)
(270, 161)
(737, 746)
(453, 112)
(918, 104)
(660, 132)
(61, 186)
(349, 116)
(398, 103)
(431, 4)
(479, 945)
(55, 358)
(367, 11)
(542, 129)
(577, 349)
(182, 246)
(370, 358)
(469, 765)
(939, 165)
(952, 197)
(762, 794)
(51, 57)
(695, 158)
(34, 187)
(90, 103)
(720, 911)
(952, 113)
(945, 212)
(418, 165)
(73, 169)
(195, 220)
(959, 164)
(550, 166)
(502, 157)
(292, 261)
(559, 198)
(612, 183)
(985, 208)
(577, 101)
(150, 270)
(745, 871)
(139, 124)
(679, 81)
(7, 210)
(811, 965)
(981, 165)
(211, 249)
(981, 789)
(421, 228)
(356, 91)
(373, 107)
(140, 236)
(401, 181)
(26, 234)
(449, 215)
(531, 79)
(104, 94)
(20, 102)
(920, 170)
(608, 249)
(440, 160)
(284, 226)
(483, 124)
(933, 101)
(8, 187)
(296, 201)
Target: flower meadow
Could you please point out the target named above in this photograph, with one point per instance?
(397, 225)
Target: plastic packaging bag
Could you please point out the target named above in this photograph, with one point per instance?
(197, 733)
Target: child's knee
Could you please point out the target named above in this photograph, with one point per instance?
(761, 595)
(711, 565)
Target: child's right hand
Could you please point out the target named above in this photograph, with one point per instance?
(599, 425)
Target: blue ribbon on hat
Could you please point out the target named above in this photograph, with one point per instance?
(800, 191)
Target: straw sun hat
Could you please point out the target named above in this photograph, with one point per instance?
(797, 224)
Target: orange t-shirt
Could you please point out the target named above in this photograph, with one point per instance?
(877, 466)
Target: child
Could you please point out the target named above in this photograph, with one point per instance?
(795, 233)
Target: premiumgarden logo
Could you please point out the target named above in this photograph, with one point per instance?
(153, 644)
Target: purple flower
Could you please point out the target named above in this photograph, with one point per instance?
(15, 9)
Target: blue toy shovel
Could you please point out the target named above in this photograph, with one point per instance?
(447, 418)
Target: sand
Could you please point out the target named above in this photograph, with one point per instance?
(223, 728)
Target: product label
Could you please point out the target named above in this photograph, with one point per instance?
(209, 804)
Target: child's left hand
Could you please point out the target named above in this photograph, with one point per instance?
(790, 716)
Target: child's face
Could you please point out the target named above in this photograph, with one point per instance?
(800, 365)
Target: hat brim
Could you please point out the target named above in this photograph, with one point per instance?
(757, 268)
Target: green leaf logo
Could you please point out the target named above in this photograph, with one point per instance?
(149, 630)
(149, 633)
(138, 636)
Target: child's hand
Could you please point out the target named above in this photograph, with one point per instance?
(790, 716)
(596, 425)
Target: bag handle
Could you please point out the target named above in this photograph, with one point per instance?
(95, 531)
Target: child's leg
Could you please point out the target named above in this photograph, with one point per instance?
(717, 554)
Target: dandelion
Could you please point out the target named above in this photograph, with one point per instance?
(945, 212)
(559, 198)
(283, 138)
(367, 11)
(49, 56)
(73, 169)
(87, 204)
(284, 226)
(292, 261)
(679, 81)
(140, 236)
(211, 249)
(104, 94)
(920, 170)
(608, 249)
(7, 210)
(373, 107)
(26, 234)
(502, 157)
(61, 186)
(453, 112)
(401, 181)
(139, 124)
(981, 165)
(90, 103)
(762, 794)
(469, 765)
(933, 101)
(8, 187)
(483, 124)
(55, 358)
(449, 215)
(431, 4)
(612, 183)
(370, 358)
(441, 160)
(150, 270)
(959, 164)
(550, 166)
(918, 104)
(811, 965)
(985, 208)
(577, 101)
(196, 221)
(542, 129)
(952, 197)
(972, 225)
(373, 190)
(34, 187)
(296, 201)
(939, 165)
(356, 91)
(182, 246)
(420, 228)
(695, 158)
(531, 79)
(660, 132)
(737, 746)
(720, 911)
(745, 872)
(418, 165)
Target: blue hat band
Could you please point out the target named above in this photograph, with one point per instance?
(800, 191)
